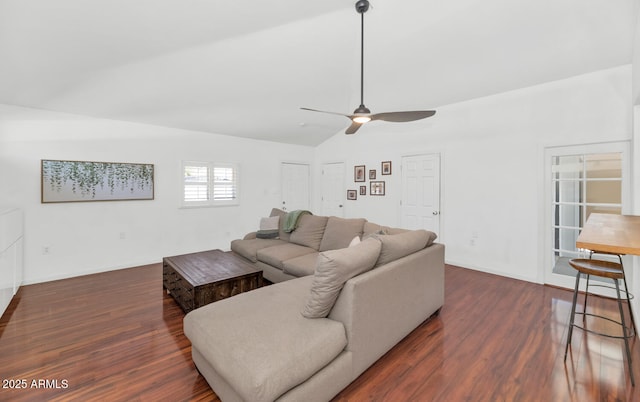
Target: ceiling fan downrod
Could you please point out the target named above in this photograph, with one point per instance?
(361, 7)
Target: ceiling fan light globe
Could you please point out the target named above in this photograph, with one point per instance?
(361, 119)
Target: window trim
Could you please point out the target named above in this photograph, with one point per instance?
(210, 201)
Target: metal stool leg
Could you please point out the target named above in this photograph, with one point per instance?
(573, 315)
(586, 293)
(626, 292)
(624, 333)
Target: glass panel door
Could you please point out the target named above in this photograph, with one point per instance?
(580, 180)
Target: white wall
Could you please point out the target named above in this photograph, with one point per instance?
(492, 167)
(85, 237)
(492, 163)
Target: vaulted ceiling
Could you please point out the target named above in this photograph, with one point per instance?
(244, 68)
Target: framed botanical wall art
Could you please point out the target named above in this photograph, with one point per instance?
(359, 173)
(376, 188)
(78, 181)
(352, 195)
(386, 167)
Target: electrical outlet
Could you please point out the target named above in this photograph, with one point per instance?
(46, 250)
(123, 235)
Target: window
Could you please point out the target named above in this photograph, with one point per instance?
(209, 184)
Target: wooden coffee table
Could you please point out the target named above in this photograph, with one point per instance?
(201, 278)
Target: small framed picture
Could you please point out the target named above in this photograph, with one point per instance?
(359, 173)
(363, 190)
(352, 195)
(386, 167)
(372, 174)
(376, 188)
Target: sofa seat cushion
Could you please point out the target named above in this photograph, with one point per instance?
(309, 231)
(277, 255)
(260, 344)
(249, 248)
(339, 232)
(301, 266)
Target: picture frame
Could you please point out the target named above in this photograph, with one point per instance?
(363, 190)
(377, 188)
(84, 181)
(372, 174)
(359, 173)
(352, 195)
(386, 168)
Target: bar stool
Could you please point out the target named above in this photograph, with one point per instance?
(603, 269)
(626, 292)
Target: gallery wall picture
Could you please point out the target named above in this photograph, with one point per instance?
(363, 190)
(376, 188)
(78, 181)
(372, 174)
(386, 167)
(352, 195)
(359, 173)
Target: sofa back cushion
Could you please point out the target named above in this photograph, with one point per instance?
(309, 231)
(395, 246)
(339, 232)
(374, 228)
(333, 269)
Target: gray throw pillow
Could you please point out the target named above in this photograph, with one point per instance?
(333, 269)
(268, 228)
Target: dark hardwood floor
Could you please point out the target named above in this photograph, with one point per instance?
(117, 336)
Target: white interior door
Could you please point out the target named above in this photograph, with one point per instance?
(333, 190)
(420, 207)
(295, 186)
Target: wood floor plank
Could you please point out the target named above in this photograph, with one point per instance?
(118, 336)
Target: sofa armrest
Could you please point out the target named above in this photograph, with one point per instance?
(382, 306)
(250, 235)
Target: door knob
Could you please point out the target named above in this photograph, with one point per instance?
(436, 212)
(340, 205)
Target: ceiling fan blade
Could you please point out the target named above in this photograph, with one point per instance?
(324, 111)
(353, 128)
(400, 117)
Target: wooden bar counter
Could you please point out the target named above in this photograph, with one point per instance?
(616, 234)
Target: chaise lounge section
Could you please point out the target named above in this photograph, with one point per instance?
(309, 337)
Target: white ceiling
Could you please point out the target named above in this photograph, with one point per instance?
(244, 68)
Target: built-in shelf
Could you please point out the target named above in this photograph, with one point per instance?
(11, 254)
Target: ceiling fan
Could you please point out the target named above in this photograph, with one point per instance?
(362, 114)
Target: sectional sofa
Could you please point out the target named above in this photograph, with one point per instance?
(315, 330)
(294, 254)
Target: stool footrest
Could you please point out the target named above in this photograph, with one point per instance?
(629, 330)
(629, 295)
